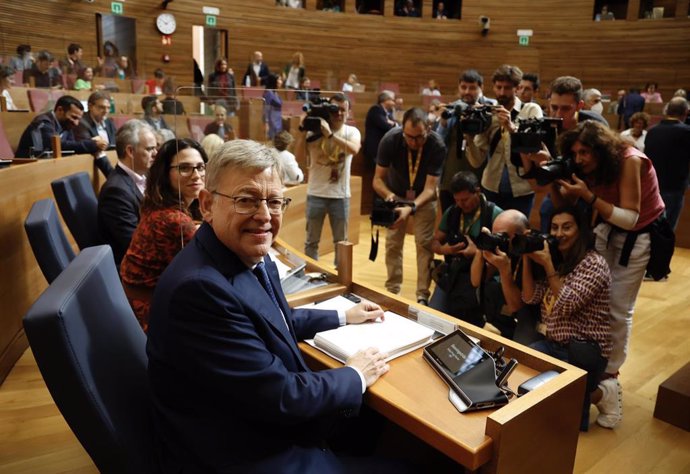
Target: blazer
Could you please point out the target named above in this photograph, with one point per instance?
(254, 81)
(87, 129)
(151, 122)
(118, 211)
(375, 127)
(231, 390)
(39, 133)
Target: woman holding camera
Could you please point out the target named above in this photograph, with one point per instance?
(167, 220)
(619, 184)
(573, 294)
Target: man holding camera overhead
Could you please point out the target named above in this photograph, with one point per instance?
(330, 145)
(500, 181)
(408, 166)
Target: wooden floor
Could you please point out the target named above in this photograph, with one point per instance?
(35, 439)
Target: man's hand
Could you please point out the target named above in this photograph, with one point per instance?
(101, 143)
(403, 213)
(503, 116)
(325, 128)
(497, 259)
(454, 249)
(371, 363)
(470, 248)
(363, 312)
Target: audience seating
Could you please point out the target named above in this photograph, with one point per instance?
(42, 100)
(120, 119)
(292, 107)
(92, 355)
(6, 151)
(252, 92)
(78, 205)
(196, 125)
(51, 248)
(390, 86)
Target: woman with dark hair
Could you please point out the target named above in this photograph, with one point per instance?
(273, 106)
(619, 184)
(6, 83)
(221, 84)
(168, 212)
(574, 297)
(651, 94)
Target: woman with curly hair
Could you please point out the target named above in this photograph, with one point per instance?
(168, 212)
(619, 184)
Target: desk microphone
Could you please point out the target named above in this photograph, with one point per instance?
(502, 378)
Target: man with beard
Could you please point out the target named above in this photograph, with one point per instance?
(61, 121)
(500, 181)
(470, 92)
(95, 123)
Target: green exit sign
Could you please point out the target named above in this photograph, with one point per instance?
(210, 20)
(117, 8)
(523, 40)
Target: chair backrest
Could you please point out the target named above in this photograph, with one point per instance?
(92, 354)
(6, 151)
(196, 125)
(42, 100)
(78, 205)
(51, 248)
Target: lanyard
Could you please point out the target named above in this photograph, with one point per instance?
(413, 169)
(464, 227)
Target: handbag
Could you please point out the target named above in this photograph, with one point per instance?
(662, 244)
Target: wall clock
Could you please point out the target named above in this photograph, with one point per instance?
(166, 23)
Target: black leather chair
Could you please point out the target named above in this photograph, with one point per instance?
(78, 205)
(51, 248)
(91, 352)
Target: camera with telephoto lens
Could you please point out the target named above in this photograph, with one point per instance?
(532, 132)
(489, 242)
(558, 168)
(456, 238)
(383, 213)
(317, 109)
(533, 242)
(471, 120)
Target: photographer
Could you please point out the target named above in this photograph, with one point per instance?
(574, 300)
(499, 271)
(620, 186)
(500, 181)
(566, 103)
(454, 292)
(408, 165)
(329, 151)
(470, 93)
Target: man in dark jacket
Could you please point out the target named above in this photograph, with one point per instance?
(36, 140)
(377, 124)
(95, 123)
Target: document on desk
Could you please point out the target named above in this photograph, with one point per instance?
(395, 335)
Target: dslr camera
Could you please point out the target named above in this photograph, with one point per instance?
(383, 213)
(489, 242)
(533, 242)
(471, 120)
(558, 168)
(456, 238)
(316, 109)
(531, 133)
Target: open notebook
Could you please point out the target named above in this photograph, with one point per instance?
(395, 335)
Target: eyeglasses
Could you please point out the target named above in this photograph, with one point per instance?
(416, 138)
(249, 205)
(186, 169)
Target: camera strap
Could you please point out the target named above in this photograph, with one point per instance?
(373, 252)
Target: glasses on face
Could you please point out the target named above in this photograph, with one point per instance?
(415, 138)
(187, 169)
(249, 205)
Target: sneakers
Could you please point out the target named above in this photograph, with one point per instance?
(611, 404)
(423, 301)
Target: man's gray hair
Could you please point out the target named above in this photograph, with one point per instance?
(677, 107)
(240, 155)
(386, 95)
(589, 94)
(130, 134)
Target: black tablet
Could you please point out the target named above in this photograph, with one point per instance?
(468, 370)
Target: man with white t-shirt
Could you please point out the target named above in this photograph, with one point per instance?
(329, 158)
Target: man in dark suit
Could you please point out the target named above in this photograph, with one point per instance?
(153, 108)
(231, 390)
(257, 71)
(121, 195)
(668, 146)
(95, 123)
(632, 102)
(62, 120)
(377, 124)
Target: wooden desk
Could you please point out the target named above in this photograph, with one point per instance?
(534, 433)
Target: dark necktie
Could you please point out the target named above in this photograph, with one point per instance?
(262, 275)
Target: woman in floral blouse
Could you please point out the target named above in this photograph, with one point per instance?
(168, 212)
(573, 291)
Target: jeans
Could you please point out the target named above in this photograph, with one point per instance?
(504, 201)
(674, 201)
(338, 211)
(625, 284)
(424, 220)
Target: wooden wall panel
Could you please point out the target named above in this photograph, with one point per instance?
(607, 55)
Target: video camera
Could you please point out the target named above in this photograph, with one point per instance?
(472, 120)
(533, 242)
(317, 109)
(383, 213)
(531, 133)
